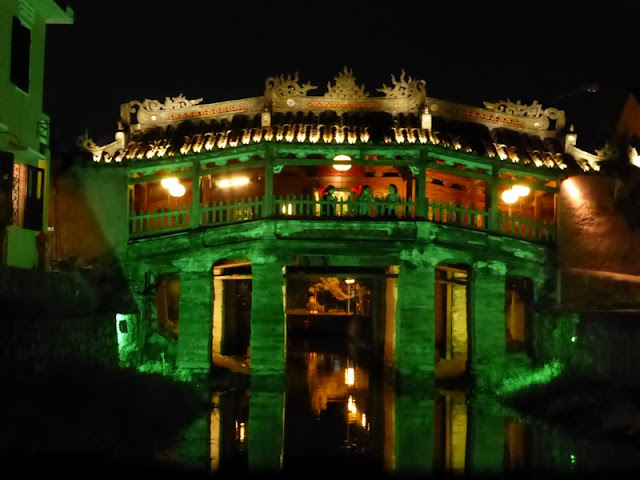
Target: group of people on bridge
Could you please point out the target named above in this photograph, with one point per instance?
(361, 203)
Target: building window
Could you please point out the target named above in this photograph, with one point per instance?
(27, 196)
(20, 54)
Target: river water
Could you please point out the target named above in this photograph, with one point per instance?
(338, 413)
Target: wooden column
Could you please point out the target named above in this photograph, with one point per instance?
(269, 200)
(194, 220)
(421, 193)
(492, 201)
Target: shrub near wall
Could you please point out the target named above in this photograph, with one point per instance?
(31, 344)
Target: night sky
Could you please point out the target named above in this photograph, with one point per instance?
(122, 50)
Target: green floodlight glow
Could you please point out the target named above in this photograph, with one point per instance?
(528, 377)
(120, 329)
(573, 339)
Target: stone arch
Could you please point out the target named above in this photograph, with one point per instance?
(231, 323)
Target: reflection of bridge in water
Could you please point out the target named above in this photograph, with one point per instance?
(336, 412)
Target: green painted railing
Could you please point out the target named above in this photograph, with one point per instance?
(292, 206)
(448, 212)
(160, 221)
(232, 211)
(301, 207)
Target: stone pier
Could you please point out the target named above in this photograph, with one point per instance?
(415, 324)
(268, 328)
(194, 337)
(488, 337)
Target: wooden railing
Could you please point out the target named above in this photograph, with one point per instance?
(232, 211)
(448, 212)
(308, 207)
(292, 206)
(159, 221)
(520, 226)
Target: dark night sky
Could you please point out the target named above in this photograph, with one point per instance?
(122, 50)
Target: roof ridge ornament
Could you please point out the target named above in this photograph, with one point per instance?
(404, 88)
(170, 103)
(345, 86)
(287, 86)
(519, 109)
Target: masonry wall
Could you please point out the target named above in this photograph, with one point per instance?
(89, 212)
(598, 244)
(604, 345)
(32, 344)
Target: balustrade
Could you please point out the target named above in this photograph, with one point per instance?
(309, 207)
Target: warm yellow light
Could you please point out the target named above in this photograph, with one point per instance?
(342, 167)
(635, 158)
(509, 196)
(177, 190)
(168, 182)
(349, 376)
(351, 405)
(349, 281)
(242, 432)
(364, 421)
(572, 189)
(287, 208)
(521, 190)
(233, 182)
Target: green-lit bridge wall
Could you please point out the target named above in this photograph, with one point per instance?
(416, 248)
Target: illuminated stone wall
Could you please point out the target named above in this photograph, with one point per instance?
(488, 340)
(598, 245)
(415, 321)
(196, 316)
(268, 335)
(270, 245)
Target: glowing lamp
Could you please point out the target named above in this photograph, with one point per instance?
(349, 376)
(349, 281)
(177, 190)
(168, 182)
(521, 190)
(509, 196)
(342, 167)
(233, 182)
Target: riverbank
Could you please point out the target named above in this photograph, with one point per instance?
(584, 406)
(79, 417)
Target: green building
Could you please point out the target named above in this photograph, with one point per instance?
(442, 237)
(24, 129)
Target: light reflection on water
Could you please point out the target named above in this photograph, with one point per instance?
(337, 412)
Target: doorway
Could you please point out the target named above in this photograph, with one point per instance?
(231, 334)
(451, 316)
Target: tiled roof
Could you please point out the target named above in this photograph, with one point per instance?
(192, 137)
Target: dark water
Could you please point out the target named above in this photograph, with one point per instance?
(337, 412)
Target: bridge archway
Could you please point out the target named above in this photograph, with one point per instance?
(451, 308)
(231, 329)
